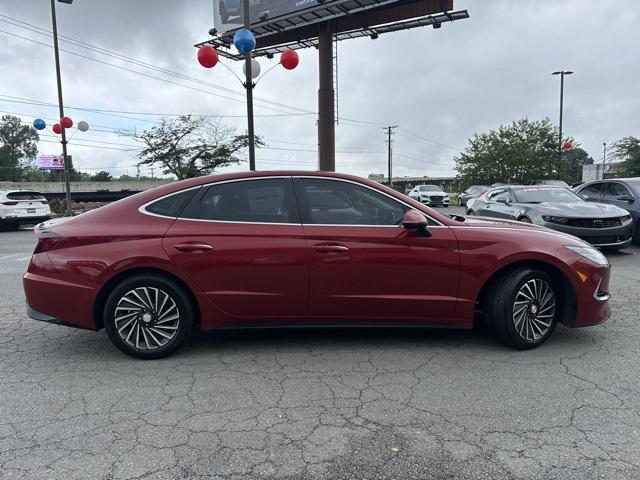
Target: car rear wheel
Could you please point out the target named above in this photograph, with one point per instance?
(148, 316)
(522, 308)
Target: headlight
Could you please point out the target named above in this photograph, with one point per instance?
(548, 218)
(626, 218)
(590, 253)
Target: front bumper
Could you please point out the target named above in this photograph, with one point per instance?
(598, 237)
(434, 201)
(592, 295)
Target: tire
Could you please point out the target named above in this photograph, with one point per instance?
(470, 213)
(512, 317)
(146, 327)
(445, 206)
(525, 220)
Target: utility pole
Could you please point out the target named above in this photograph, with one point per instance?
(604, 157)
(390, 130)
(326, 100)
(56, 52)
(562, 73)
(249, 87)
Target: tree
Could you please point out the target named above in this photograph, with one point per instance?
(628, 151)
(17, 147)
(191, 146)
(522, 151)
(102, 176)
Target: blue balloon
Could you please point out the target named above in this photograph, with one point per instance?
(39, 124)
(244, 40)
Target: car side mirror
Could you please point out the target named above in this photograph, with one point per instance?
(414, 220)
(626, 198)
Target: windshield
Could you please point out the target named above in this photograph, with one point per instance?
(428, 188)
(559, 183)
(545, 194)
(635, 184)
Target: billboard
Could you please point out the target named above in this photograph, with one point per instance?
(229, 14)
(50, 162)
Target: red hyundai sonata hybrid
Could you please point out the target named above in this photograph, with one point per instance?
(301, 248)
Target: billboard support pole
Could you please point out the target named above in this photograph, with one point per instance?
(248, 85)
(61, 106)
(326, 98)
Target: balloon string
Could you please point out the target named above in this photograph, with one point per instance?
(265, 73)
(234, 73)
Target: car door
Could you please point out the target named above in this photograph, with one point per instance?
(363, 263)
(490, 206)
(243, 244)
(501, 205)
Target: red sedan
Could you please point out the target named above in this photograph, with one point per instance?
(301, 248)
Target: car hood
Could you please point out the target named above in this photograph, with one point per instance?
(511, 224)
(578, 209)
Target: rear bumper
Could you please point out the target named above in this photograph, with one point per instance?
(33, 220)
(60, 302)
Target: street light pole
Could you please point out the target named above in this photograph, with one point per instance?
(249, 87)
(604, 157)
(60, 103)
(562, 73)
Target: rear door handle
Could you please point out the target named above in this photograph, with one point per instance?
(329, 248)
(193, 247)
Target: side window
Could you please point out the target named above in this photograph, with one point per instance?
(172, 205)
(615, 190)
(268, 200)
(594, 190)
(334, 202)
(498, 194)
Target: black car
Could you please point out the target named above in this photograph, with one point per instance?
(606, 226)
(622, 192)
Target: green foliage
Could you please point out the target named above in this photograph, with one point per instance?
(58, 206)
(628, 151)
(524, 150)
(17, 147)
(102, 176)
(190, 146)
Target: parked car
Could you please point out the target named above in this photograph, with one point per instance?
(18, 207)
(431, 195)
(558, 208)
(472, 192)
(621, 192)
(556, 183)
(261, 249)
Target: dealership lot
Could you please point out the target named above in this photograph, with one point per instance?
(320, 404)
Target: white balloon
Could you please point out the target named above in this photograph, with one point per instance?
(83, 126)
(255, 68)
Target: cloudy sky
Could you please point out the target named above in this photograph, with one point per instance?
(438, 86)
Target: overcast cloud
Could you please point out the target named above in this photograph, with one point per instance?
(444, 85)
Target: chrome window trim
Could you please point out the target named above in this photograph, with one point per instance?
(142, 209)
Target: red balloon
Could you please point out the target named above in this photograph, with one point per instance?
(66, 122)
(289, 59)
(57, 128)
(567, 146)
(207, 56)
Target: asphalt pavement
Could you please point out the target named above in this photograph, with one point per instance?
(354, 404)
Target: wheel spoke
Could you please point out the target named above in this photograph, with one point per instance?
(126, 325)
(533, 309)
(139, 297)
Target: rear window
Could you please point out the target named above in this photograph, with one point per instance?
(172, 205)
(25, 196)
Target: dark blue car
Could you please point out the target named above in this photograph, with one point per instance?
(622, 192)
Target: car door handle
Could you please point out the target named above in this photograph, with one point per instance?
(193, 247)
(329, 248)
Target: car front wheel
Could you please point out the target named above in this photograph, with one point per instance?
(522, 308)
(148, 316)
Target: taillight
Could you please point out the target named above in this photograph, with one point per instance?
(45, 202)
(46, 244)
(10, 204)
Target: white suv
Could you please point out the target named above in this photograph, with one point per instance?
(430, 195)
(18, 207)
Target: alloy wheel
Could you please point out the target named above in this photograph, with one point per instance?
(146, 318)
(534, 309)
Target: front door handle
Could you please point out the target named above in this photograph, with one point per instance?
(193, 247)
(330, 248)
